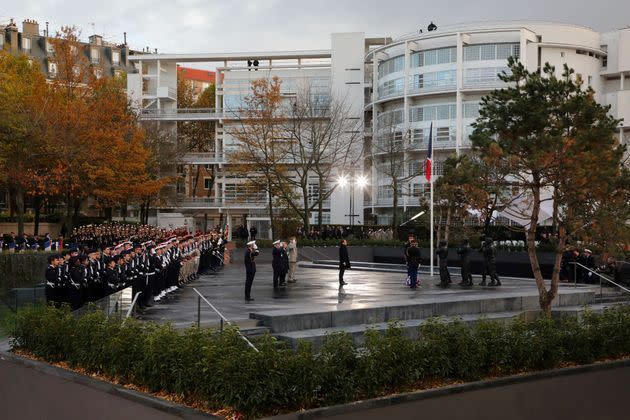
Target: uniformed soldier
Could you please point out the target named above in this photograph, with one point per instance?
(442, 253)
(489, 263)
(250, 268)
(53, 280)
(464, 257)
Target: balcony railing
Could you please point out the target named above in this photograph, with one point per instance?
(204, 158)
(219, 202)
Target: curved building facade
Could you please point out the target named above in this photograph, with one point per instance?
(438, 78)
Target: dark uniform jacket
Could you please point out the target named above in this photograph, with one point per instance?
(413, 255)
(250, 264)
(344, 259)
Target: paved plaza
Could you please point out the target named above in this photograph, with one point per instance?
(316, 289)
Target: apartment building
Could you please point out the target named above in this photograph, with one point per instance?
(398, 88)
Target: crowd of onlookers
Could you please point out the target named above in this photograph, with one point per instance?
(16, 243)
(326, 232)
(581, 266)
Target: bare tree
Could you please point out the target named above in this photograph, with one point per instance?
(323, 140)
(390, 150)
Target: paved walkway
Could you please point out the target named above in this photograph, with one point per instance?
(28, 394)
(316, 290)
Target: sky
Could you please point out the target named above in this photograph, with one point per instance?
(193, 26)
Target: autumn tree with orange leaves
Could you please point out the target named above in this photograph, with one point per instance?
(74, 137)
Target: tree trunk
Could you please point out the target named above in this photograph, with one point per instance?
(37, 206)
(544, 297)
(448, 224)
(320, 206)
(142, 213)
(271, 221)
(108, 214)
(123, 211)
(18, 196)
(307, 210)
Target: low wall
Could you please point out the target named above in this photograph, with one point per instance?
(512, 264)
(29, 228)
(23, 269)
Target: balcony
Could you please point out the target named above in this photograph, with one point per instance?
(166, 92)
(183, 114)
(204, 158)
(201, 203)
(437, 145)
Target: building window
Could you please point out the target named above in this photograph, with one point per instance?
(115, 58)
(50, 48)
(207, 183)
(471, 109)
(491, 52)
(590, 80)
(433, 57)
(26, 45)
(484, 76)
(94, 55)
(52, 69)
(392, 65)
(436, 80)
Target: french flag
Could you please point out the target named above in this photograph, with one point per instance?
(429, 160)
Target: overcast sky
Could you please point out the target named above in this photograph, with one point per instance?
(179, 26)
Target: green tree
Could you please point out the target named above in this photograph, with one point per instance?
(550, 141)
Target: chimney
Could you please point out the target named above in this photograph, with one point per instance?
(47, 33)
(12, 37)
(30, 28)
(96, 40)
(125, 37)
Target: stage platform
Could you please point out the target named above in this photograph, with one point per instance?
(315, 306)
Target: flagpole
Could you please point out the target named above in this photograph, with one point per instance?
(431, 224)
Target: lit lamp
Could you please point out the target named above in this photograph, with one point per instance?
(359, 180)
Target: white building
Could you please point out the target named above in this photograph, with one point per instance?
(397, 86)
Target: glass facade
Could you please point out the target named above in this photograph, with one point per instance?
(489, 52)
(434, 57)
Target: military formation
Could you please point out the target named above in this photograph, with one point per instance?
(412, 257)
(154, 262)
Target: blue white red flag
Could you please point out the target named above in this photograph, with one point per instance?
(429, 161)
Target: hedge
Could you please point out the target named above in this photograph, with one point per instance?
(221, 371)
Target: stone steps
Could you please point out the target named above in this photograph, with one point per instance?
(357, 332)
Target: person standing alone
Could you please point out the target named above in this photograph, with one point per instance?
(344, 261)
(250, 268)
(412, 254)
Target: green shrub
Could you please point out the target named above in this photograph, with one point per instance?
(221, 370)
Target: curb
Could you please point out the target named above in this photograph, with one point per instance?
(397, 399)
(109, 388)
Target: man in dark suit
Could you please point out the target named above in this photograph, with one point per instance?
(412, 255)
(250, 268)
(344, 261)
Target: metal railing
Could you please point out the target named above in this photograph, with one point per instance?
(221, 316)
(133, 304)
(600, 275)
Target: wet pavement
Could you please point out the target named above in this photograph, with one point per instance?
(316, 289)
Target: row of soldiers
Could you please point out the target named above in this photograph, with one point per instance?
(412, 256)
(154, 270)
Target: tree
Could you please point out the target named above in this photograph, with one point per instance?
(551, 141)
(24, 129)
(259, 150)
(322, 140)
(391, 148)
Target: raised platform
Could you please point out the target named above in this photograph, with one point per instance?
(313, 326)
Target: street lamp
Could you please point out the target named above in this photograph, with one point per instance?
(359, 180)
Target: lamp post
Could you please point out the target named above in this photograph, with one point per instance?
(359, 180)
